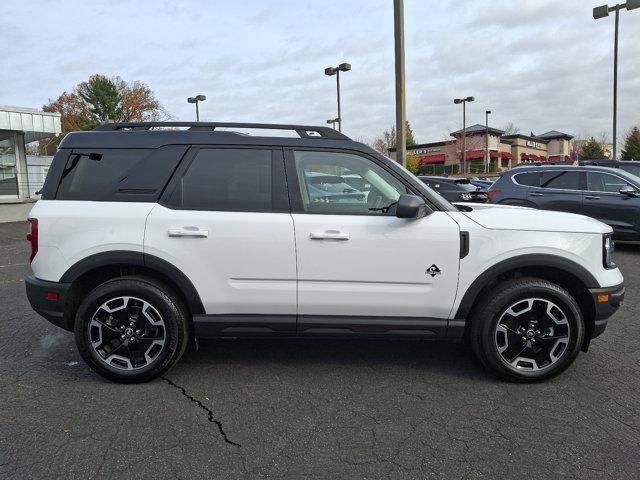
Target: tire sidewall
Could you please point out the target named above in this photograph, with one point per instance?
(530, 289)
(166, 305)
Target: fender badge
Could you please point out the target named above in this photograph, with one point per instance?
(433, 270)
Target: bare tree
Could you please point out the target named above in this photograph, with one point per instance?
(511, 128)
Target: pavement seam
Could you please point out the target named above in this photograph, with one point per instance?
(206, 409)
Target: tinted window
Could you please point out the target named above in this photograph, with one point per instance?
(562, 180)
(603, 182)
(342, 183)
(228, 179)
(530, 179)
(95, 174)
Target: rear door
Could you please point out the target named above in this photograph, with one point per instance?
(362, 270)
(603, 201)
(559, 190)
(224, 221)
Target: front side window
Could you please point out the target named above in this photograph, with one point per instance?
(343, 183)
(560, 180)
(228, 180)
(603, 182)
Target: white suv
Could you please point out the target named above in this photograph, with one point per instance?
(147, 237)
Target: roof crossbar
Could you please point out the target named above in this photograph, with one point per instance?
(304, 131)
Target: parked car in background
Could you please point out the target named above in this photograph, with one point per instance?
(456, 189)
(606, 194)
(632, 167)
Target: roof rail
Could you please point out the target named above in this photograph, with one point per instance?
(302, 130)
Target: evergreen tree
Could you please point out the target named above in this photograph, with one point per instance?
(631, 150)
(592, 150)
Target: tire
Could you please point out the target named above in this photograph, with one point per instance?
(131, 329)
(502, 337)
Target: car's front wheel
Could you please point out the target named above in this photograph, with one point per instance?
(527, 329)
(131, 329)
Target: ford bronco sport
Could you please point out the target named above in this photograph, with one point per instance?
(148, 236)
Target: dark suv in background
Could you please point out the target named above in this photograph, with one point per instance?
(606, 194)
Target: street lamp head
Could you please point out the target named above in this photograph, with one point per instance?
(488, 112)
(191, 100)
(201, 98)
(330, 71)
(601, 11)
(633, 4)
(470, 99)
(457, 100)
(344, 67)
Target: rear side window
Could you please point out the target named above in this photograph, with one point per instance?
(229, 180)
(92, 174)
(561, 180)
(529, 179)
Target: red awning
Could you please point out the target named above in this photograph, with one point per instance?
(494, 154)
(430, 159)
(475, 154)
(506, 155)
(554, 158)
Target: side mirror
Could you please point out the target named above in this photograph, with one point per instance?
(411, 206)
(629, 191)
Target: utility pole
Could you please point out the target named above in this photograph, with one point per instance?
(486, 142)
(401, 115)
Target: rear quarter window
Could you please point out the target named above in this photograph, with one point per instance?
(528, 179)
(134, 175)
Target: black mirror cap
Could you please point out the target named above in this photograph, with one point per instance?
(411, 206)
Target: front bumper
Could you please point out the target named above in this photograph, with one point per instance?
(48, 299)
(606, 301)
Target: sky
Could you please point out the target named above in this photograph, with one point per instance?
(541, 64)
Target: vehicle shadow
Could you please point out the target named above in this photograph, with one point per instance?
(442, 358)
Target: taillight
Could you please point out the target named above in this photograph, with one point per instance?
(32, 237)
(493, 193)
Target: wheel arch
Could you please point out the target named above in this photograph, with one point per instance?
(569, 275)
(91, 271)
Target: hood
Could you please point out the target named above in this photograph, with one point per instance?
(505, 217)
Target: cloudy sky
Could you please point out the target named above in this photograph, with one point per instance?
(541, 64)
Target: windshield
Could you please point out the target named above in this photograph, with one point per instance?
(632, 169)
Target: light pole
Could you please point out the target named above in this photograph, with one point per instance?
(196, 99)
(330, 71)
(464, 101)
(333, 121)
(486, 141)
(401, 112)
(601, 12)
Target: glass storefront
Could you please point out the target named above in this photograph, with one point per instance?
(8, 165)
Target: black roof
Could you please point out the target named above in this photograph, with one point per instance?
(156, 134)
(552, 134)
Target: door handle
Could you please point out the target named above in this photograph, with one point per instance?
(329, 235)
(536, 194)
(591, 197)
(188, 232)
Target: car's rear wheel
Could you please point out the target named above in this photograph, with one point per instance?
(131, 329)
(527, 329)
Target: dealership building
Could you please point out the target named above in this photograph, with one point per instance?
(505, 151)
(22, 175)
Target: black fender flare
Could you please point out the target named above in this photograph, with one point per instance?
(522, 261)
(126, 257)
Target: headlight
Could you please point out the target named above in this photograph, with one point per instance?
(465, 196)
(608, 246)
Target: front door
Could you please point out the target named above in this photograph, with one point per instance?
(361, 269)
(225, 222)
(603, 201)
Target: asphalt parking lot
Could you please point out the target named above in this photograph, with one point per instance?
(311, 409)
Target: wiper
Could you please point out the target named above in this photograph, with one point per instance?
(382, 209)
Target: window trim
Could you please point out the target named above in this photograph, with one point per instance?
(295, 195)
(582, 179)
(281, 203)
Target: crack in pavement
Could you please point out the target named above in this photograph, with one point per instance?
(206, 409)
